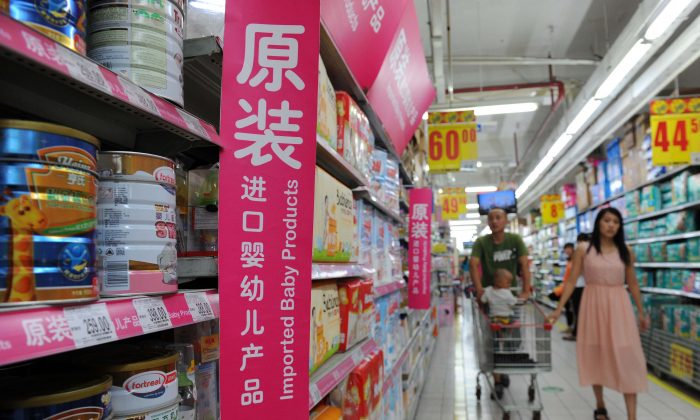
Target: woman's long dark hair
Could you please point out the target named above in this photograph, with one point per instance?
(619, 238)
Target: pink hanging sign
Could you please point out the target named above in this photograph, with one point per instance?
(362, 22)
(403, 91)
(268, 139)
(419, 247)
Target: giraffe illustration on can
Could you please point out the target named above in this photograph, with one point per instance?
(26, 219)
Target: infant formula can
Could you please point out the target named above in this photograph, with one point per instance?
(47, 232)
(30, 140)
(136, 225)
(57, 397)
(170, 412)
(61, 20)
(144, 380)
(141, 39)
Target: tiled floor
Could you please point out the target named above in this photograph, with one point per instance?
(451, 387)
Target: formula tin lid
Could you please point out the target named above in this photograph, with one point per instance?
(50, 389)
(129, 359)
(141, 154)
(50, 128)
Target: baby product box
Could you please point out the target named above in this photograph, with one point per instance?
(325, 323)
(365, 227)
(694, 187)
(694, 250)
(334, 220)
(326, 121)
(348, 114)
(326, 412)
(361, 393)
(364, 325)
(651, 199)
(679, 188)
(351, 295)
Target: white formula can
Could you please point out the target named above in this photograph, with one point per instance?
(136, 226)
(141, 39)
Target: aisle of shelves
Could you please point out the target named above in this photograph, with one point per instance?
(47, 81)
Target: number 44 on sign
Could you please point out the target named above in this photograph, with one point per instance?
(675, 131)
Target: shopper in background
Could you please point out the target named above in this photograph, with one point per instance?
(581, 240)
(499, 250)
(568, 308)
(608, 348)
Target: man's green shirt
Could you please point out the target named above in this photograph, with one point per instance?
(504, 255)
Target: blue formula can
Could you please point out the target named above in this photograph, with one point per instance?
(30, 140)
(61, 20)
(56, 397)
(47, 227)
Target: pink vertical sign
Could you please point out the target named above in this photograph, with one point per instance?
(419, 247)
(268, 138)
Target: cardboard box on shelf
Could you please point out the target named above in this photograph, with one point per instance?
(354, 304)
(348, 122)
(325, 323)
(334, 220)
(360, 394)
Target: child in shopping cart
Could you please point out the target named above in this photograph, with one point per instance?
(499, 298)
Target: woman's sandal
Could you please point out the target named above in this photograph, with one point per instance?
(601, 414)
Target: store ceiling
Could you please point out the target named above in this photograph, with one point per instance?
(516, 29)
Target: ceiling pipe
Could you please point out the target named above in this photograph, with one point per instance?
(516, 86)
(519, 61)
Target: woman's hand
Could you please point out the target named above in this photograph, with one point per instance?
(644, 322)
(554, 316)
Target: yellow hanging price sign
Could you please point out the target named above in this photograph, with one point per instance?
(451, 140)
(552, 209)
(453, 202)
(675, 131)
(439, 248)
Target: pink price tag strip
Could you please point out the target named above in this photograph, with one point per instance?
(41, 331)
(385, 289)
(330, 380)
(31, 44)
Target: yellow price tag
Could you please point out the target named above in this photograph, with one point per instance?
(675, 131)
(453, 202)
(439, 248)
(552, 211)
(681, 361)
(451, 140)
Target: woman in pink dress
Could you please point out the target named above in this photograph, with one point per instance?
(608, 347)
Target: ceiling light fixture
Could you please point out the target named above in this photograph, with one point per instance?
(663, 21)
(583, 116)
(440, 191)
(218, 6)
(640, 48)
(485, 188)
(473, 215)
(464, 223)
(425, 116)
(472, 206)
(481, 111)
(479, 164)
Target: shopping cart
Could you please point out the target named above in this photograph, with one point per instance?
(521, 347)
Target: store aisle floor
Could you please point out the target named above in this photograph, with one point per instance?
(450, 390)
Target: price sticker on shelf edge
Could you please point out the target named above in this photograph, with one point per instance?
(552, 211)
(675, 131)
(90, 324)
(199, 305)
(152, 313)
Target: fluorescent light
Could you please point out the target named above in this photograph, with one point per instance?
(426, 168)
(472, 206)
(485, 188)
(425, 116)
(464, 222)
(211, 5)
(668, 15)
(479, 164)
(486, 231)
(582, 117)
(559, 145)
(620, 71)
(473, 215)
(481, 111)
(440, 191)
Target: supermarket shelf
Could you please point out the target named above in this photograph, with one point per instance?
(558, 278)
(385, 289)
(190, 268)
(396, 369)
(413, 410)
(650, 182)
(202, 77)
(686, 265)
(404, 204)
(342, 79)
(39, 77)
(363, 192)
(665, 238)
(671, 292)
(326, 271)
(39, 331)
(337, 368)
(336, 165)
(663, 212)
